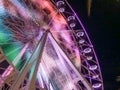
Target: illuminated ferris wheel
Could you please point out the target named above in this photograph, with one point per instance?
(44, 46)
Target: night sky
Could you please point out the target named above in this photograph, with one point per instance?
(103, 27)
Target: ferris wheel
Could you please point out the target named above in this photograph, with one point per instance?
(44, 46)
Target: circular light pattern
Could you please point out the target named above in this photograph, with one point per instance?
(87, 50)
(61, 6)
(95, 76)
(93, 67)
(71, 18)
(97, 85)
(81, 41)
(29, 20)
(79, 34)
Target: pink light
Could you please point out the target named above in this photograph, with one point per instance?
(58, 28)
(22, 10)
(5, 74)
(7, 71)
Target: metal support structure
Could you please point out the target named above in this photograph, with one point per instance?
(35, 56)
(40, 48)
(10, 72)
(63, 17)
(62, 55)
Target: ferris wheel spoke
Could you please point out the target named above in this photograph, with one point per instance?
(21, 30)
(19, 56)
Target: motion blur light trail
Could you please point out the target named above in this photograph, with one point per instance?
(45, 46)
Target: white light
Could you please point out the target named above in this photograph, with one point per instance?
(89, 57)
(51, 88)
(97, 85)
(81, 41)
(72, 25)
(61, 9)
(80, 34)
(59, 3)
(71, 18)
(2, 9)
(95, 76)
(87, 50)
(93, 67)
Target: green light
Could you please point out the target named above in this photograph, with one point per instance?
(4, 35)
(11, 51)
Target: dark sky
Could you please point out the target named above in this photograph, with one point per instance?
(103, 27)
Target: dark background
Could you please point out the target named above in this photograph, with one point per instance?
(103, 27)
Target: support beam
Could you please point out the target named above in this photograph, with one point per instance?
(35, 56)
(41, 47)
